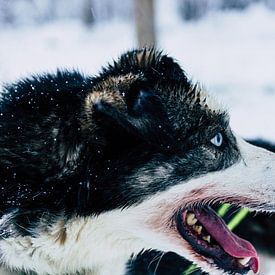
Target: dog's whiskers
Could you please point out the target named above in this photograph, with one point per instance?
(157, 258)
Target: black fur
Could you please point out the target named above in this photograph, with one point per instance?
(58, 157)
(158, 263)
(78, 145)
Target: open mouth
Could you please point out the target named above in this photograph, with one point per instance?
(209, 236)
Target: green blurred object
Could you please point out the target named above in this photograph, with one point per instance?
(223, 209)
(232, 224)
(238, 218)
(192, 268)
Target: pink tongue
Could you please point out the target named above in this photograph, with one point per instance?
(230, 242)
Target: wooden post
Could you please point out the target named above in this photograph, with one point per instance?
(145, 22)
(88, 16)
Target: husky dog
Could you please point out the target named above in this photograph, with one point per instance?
(96, 171)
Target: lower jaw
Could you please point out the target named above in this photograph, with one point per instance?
(213, 254)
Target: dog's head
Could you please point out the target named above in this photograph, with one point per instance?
(165, 152)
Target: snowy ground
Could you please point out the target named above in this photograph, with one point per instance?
(232, 54)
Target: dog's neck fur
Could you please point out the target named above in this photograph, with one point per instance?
(63, 248)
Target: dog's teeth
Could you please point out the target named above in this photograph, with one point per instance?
(244, 261)
(207, 238)
(197, 228)
(191, 220)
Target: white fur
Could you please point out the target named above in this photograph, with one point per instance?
(103, 244)
(97, 244)
(212, 102)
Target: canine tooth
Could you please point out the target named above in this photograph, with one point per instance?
(207, 238)
(244, 261)
(191, 220)
(197, 228)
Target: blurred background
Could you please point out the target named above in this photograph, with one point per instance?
(226, 45)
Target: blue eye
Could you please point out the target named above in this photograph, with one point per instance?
(217, 140)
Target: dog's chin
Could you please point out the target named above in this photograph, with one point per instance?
(217, 247)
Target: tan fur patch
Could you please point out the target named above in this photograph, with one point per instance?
(144, 58)
(59, 232)
(109, 91)
(199, 95)
(80, 230)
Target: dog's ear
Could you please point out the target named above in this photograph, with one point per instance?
(139, 112)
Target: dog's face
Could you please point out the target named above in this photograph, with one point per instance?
(157, 127)
(169, 153)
